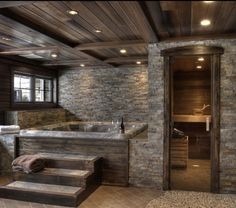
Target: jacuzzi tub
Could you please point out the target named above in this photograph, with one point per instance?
(75, 129)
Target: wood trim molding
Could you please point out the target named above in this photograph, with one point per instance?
(192, 50)
(126, 59)
(215, 132)
(167, 122)
(199, 37)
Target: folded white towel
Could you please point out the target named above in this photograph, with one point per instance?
(9, 128)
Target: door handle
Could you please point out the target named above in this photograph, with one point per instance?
(208, 123)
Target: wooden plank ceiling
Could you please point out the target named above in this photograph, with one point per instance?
(100, 29)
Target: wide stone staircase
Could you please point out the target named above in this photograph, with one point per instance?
(67, 180)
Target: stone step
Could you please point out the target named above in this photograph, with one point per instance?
(70, 161)
(43, 193)
(58, 176)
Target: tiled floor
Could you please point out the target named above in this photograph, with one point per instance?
(103, 197)
(195, 178)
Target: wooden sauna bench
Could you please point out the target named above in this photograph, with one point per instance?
(179, 152)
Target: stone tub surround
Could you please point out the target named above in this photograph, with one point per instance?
(31, 118)
(132, 129)
(7, 146)
(105, 94)
(151, 172)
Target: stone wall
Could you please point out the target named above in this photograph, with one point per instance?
(103, 94)
(6, 153)
(32, 118)
(150, 157)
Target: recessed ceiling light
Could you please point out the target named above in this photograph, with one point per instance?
(201, 59)
(72, 12)
(6, 38)
(196, 166)
(205, 22)
(97, 31)
(82, 65)
(199, 67)
(138, 62)
(54, 55)
(208, 2)
(123, 51)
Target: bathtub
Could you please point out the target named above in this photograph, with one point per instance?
(77, 129)
(100, 139)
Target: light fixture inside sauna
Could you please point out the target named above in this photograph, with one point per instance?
(205, 22)
(201, 59)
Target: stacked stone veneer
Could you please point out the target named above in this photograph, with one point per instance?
(148, 167)
(103, 94)
(32, 118)
(6, 153)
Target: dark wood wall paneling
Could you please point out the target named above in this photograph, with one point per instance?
(191, 90)
(6, 71)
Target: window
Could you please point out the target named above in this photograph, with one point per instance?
(29, 88)
(22, 88)
(43, 92)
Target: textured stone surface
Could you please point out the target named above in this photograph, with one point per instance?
(6, 153)
(227, 111)
(104, 94)
(31, 118)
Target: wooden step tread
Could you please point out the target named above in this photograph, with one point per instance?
(64, 172)
(68, 157)
(49, 188)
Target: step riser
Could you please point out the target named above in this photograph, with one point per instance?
(73, 165)
(54, 179)
(38, 197)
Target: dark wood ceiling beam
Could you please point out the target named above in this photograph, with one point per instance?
(154, 11)
(149, 17)
(68, 62)
(200, 37)
(28, 50)
(5, 4)
(111, 44)
(126, 59)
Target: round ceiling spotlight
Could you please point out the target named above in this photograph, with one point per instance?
(54, 55)
(201, 59)
(97, 30)
(82, 65)
(72, 12)
(205, 22)
(208, 2)
(123, 51)
(138, 62)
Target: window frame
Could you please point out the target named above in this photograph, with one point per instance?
(33, 89)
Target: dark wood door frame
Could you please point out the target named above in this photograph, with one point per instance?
(214, 53)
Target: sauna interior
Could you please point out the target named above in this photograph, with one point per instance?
(191, 114)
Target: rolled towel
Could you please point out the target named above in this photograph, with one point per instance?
(28, 163)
